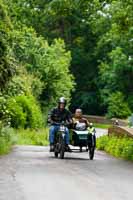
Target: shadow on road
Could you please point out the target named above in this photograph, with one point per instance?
(71, 158)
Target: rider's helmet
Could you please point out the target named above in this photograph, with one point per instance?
(62, 100)
(78, 110)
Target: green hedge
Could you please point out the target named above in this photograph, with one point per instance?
(24, 112)
(118, 147)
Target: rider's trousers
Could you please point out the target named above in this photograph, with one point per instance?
(52, 132)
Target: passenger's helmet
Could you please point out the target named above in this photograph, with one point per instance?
(62, 100)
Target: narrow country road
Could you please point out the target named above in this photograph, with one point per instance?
(32, 173)
(101, 132)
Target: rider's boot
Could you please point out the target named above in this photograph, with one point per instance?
(68, 149)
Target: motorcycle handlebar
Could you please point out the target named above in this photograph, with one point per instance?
(60, 123)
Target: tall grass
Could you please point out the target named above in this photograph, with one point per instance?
(103, 126)
(32, 137)
(6, 139)
(10, 136)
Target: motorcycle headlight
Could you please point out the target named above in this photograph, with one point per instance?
(62, 128)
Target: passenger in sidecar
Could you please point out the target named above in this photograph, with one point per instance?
(81, 136)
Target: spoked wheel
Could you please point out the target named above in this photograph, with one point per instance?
(62, 148)
(62, 151)
(92, 145)
(56, 154)
(56, 150)
(91, 152)
(80, 148)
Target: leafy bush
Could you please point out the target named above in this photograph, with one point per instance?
(23, 84)
(24, 112)
(102, 142)
(117, 106)
(17, 116)
(118, 147)
(48, 63)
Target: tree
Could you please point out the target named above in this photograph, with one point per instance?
(71, 21)
(7, 63)
(116, 71)
(99, 35)
(117, 107)
(48, 63)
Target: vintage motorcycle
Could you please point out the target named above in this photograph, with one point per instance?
(80, 137)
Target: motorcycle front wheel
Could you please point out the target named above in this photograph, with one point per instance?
(62, 149)
(56, 154)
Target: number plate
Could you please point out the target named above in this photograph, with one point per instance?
(83, 137)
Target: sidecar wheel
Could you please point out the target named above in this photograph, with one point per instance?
(91, 153)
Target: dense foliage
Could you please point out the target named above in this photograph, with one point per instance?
(33, 73)
(7, 66)
(45, 45)
(99, 36)
(118, 147)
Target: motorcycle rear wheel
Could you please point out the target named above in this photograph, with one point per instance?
(56, 154)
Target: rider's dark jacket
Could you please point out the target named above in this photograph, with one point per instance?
(56, 115)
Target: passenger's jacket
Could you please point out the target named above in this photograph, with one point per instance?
(83, 121)
(56, 115)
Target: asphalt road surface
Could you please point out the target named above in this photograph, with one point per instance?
(32, 173)
(101, 132)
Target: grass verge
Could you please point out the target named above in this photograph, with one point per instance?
(31, 137)
(103, 126)
(118, 147)
(6, 140)
(10, 136)
(5, 146)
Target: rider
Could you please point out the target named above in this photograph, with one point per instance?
(56, 116)
(79, 120)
